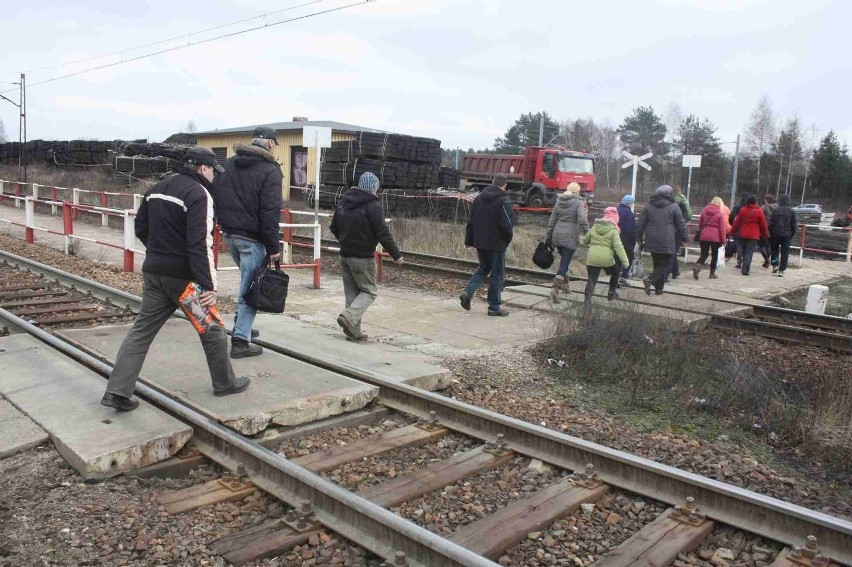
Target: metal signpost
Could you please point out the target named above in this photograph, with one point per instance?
(636, 161)
(318, 138)
(691, 161)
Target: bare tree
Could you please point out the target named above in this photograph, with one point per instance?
(3, 138)
(190, 127)
(673, 117)
(760, 131)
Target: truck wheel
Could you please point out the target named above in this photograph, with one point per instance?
(535, 199)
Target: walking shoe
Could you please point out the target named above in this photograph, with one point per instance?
(781, 273)
(119, 402)
(647, 283)
(501, 313)
(675, 276)
(242, 349)
(612, 296)
(714, 276)
(346, 325)
(774, 269)
(254, 332)
(464, 300)
(362, 338)
(557, 287)
(695, 269)
(239, 385)
(738, 266)
(622, 282)
(766, 263)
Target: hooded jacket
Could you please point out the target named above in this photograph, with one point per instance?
(604, 245)
(627, 227)
(248, 196)
(712, 225)
(685, 209)
(175, 223)
(750, 223)
(359, 225)
(490, 226)
(566, 219)
(782, 223)
(661, 226)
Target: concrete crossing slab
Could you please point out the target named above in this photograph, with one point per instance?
(382, 359)
(284, 391)
(17, 431)
(64, 399)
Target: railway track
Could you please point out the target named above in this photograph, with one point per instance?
(364, 518)
(764, 320)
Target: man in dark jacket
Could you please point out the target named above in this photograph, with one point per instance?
(627, 230)
(782, 228)
(175, 223)
(359, 225)
(686, 210)
(489, 230)
(661, 230)
(248, 203)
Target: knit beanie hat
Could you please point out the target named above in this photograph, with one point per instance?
(611, 215)
(628, 200)
(665, 190)
(368, 182)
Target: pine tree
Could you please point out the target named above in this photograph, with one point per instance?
(643, 131)
(524, 132)
(826, 165)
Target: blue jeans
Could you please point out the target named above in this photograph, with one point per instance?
(565, 255)
(492, 264)
(249, 255)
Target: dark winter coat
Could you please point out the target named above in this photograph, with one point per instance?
(750, 223)
(490, 226)
(661, 226)
(712, 225)
(359, 225)
(627, 226)
(783, 222)
(248, 196)
(175, 223)
(566, 220)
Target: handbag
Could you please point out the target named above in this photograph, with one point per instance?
(267, 291)
(543, 255)
(697, 237)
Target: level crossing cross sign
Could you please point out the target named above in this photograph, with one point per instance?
(636, 161)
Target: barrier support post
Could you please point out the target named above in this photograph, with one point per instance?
(287, 218)
(54, 196)
(75, 199)
(317, 258)
(18, 194)
(802, 245)
(137, 201)
(104, 216)
(67, 224)
(129, 240)
(317, 266)
(2, 191)
(377, 255)
(29, 215)
(849, 247)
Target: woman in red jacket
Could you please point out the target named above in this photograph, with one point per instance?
(752, 226)
(712, 233)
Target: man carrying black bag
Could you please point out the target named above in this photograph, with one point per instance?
(359, 225)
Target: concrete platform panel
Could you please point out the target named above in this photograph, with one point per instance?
(64, 399)
(284, 391)
(17, 431)
(382, 359)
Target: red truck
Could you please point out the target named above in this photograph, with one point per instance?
(536, 177)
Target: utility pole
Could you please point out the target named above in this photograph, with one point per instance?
(736, 166)
(457, 158)
(22, 126)
(541, 129)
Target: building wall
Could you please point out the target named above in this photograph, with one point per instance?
(287, 139)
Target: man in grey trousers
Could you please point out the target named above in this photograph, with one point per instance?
(175, 223)
(359, 225)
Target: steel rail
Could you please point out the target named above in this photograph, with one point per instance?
(835, 341)
(750, 511)
(726, 503)
(371, 526)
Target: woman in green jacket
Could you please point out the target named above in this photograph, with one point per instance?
(605, 253)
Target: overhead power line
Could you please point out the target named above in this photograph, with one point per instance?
(162, 41)
(200, 42)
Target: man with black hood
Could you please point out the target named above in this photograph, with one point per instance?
(248, 204)
(489, 230)
(359, 225)
(661, 231)
(175, 223)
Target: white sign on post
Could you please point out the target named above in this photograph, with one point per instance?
(316, 137)
(634, 161)
(690, 161)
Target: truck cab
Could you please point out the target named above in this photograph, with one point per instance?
(555, 168)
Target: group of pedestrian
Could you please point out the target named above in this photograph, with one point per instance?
(768, 228)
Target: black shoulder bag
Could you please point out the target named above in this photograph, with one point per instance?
(268, 289)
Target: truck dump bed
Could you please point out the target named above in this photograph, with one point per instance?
(476, 166)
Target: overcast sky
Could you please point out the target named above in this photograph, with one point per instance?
(458, 70)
